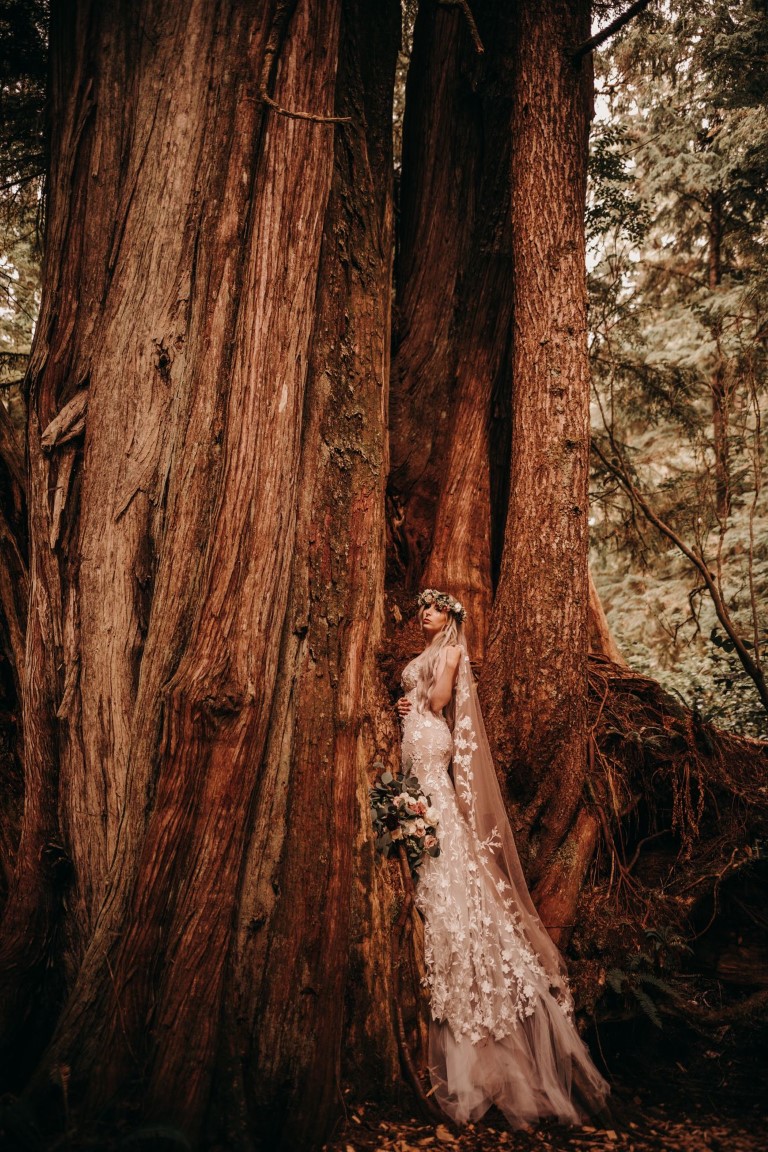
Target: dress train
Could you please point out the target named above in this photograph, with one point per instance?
(502, 1029)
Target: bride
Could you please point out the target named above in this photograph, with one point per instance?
(502, 1029)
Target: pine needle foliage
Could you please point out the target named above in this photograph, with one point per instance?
(23, 68)
(677, 224)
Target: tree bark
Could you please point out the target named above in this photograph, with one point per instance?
(192, 692)
(534, 681)
(467, 517)
(197, 912)
(437, 210)
(455, 302)
(301, 981)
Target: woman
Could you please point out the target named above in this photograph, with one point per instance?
(502, 1029)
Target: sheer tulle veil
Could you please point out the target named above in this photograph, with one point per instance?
(480, 801)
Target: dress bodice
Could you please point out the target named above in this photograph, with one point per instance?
(409, 676)
(426, 741)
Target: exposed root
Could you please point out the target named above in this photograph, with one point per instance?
(683, 812)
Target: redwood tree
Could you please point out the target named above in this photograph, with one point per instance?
(209, 371)
(497, 146)
(196, 922)
(535, 673)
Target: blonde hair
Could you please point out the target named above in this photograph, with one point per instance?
(452, 633)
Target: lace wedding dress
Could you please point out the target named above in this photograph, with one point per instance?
(502, 1029)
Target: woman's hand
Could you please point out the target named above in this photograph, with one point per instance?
(403, 707)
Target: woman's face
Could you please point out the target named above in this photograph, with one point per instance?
(432, 621)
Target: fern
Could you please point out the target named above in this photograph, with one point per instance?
(646, 1004)
(636, 982)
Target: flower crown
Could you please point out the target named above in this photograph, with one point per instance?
(443, 602)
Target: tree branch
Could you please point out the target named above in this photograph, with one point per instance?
(465, 8)
(277, 32)
(753, 670)
(312, 116)
(600, 37)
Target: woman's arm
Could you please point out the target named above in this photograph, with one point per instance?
(442, 690)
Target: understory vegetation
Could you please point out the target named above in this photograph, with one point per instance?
(679, 333)
(669, 935)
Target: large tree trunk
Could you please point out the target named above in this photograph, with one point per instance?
(466, 516)
(208, 453)
(196, 925)
(217, 303)
(454, 303)
(519, 120)
(534, 682)
(316, 890)
(451, 400)
(437, 211)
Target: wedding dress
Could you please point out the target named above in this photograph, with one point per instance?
(502, 1029)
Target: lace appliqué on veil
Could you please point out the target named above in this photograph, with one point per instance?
(482, 973)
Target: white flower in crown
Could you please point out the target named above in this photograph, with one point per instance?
(442, 601)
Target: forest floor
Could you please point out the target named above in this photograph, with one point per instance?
(714, 1102)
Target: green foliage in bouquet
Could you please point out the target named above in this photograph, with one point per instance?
(403, 814)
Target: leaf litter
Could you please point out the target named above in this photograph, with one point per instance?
(657, 1104)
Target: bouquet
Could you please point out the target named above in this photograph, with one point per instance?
(401, 813)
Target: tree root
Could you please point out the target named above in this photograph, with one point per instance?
(683, 817)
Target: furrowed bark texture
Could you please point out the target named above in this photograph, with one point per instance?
(189, 686)
(311, 892)
(467, 515)
(75, 272)
(151, 335)
(452, 484)
(534, 680)
(455, 300)
(437, 210)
